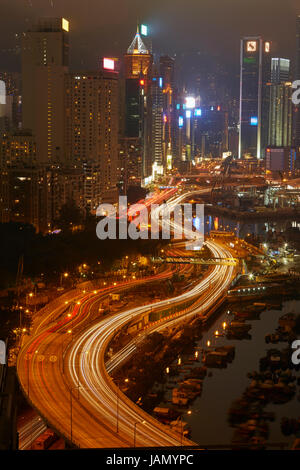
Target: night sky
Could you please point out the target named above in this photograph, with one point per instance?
(106, 27)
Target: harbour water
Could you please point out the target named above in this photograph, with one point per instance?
(207, 415)
(243, 228)
(209, 418)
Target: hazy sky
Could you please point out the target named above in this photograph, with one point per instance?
(107, 27)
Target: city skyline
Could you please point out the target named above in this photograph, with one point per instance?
(149, 227)
(109, 32)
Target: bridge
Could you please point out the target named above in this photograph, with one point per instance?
(192, 260)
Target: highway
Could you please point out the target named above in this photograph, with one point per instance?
(29, 431)
(62, 367)
(99, 408)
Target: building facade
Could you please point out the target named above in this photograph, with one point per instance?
(281, 110)
(45, 60)
(255, 67)
(92, 130)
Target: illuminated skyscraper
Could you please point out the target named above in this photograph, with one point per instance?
(297, 77)
(91, 131)
(166, 67)
(138, 108)
(45, 59)
(158, 120)
(280, 115)
(255, 69)
(138, 60)
(12, 82)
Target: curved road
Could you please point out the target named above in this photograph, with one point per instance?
(80, 399)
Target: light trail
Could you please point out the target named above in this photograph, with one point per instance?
(30, 431)
(98, 404)
(97, 387)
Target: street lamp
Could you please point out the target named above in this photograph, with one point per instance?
(134, 433)
(65, 275)
(189, 412)
(71, 410)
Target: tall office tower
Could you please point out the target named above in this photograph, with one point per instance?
(281, 111)
(4, 118)
(158, 120)
(138, 107)
(211, 131)
(177, 128)
(280, 70)
(12, 82)
(297, 77)
(166, 67)
(91, 130)
(255, 66)
(45, 58)
(130, 164)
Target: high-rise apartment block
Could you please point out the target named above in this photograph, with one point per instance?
(91, 128)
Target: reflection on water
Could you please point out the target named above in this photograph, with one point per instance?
(208, 420)
(242, 228)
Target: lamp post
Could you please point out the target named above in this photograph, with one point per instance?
(71, 410)
(189, 412)
(62, 349)
(118, 411)
(134, 432)
(117, 397)
(65, 275)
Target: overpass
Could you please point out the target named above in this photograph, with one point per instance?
(192, 260)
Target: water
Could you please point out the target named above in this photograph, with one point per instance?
(242, 228)
(208, 421)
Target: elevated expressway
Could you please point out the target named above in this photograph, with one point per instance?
(71, 388)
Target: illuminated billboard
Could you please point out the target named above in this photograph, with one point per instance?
(144, 30)
(198, 112)
(108, 64)
(254, 121)
(180, 121)
(190, 102)
(2, 92)
(251, 46)
(65, 24)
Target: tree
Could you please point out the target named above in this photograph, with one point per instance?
(70, 216)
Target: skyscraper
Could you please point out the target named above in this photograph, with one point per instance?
(254, 99)
(12, 82)
(166, 67)
(45, 59)
(158, 118)
(280, 115)
(138, 108)
(297, 77)
(91, 131)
